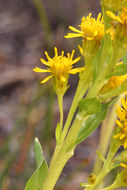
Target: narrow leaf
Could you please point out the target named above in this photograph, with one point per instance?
(90, 105)
(38, 153)
(38, 177)
(93, 122)
(120, 70)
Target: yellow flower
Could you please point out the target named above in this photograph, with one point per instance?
(91, 29)
(119, 30)
(119, 19)
(114, 82)
(92, 32)
(122, 123)
(59, 67)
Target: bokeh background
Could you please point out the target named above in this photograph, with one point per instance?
(27, 108)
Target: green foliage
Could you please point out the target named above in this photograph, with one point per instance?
(93, 122)
(100, 156)
(120, 70)
(38, 177)
(90, 106)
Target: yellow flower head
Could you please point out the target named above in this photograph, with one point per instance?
(120, 19)
(119, 30)
(122, 123)
(91, 29)
(114, 82)
(59, 67)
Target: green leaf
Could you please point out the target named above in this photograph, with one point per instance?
(90, 105)
(93, 122)
(38, 177)
(120, 70)
(58, 134)
(38, 153)
(100, 156)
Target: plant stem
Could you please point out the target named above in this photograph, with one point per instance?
(60, 103)
(62, 156)
(110, 187)
(80, 92)
(106, 133)
(107, 164)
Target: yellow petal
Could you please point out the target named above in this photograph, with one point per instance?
(36, 69)
(75, 30)
(46, 79)
(75, 60)
(46, 53)
(117, 135)
(114, 17)
(123, 165)
(80, 49)
(124, 103)
(76, 70)
(44, 62)
(125, 144)
(72, 54)
(119, 123)
(122, 136)
(55, 50)
(73, 35)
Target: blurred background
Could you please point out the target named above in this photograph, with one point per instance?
(27, 108)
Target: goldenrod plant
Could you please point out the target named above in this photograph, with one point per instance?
(102, 79)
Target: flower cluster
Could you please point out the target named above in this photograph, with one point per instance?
(59, 67)
(122, 123)
(119, 29)
(91, 29)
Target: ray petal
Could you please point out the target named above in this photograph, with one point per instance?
(38, 70)
(124, 103)
(119, 123)
(44, 62)
(46, 79)
(75, 30)
(123, 165)
(47, 55)
(75, 60)
(76, 70)
(125, 144)
(73, 35)
(114, 17)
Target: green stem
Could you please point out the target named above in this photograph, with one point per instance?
(107, 164)
(60, 103)
(64, 154)
(106, 133)
(80, 92)
(109, 187)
